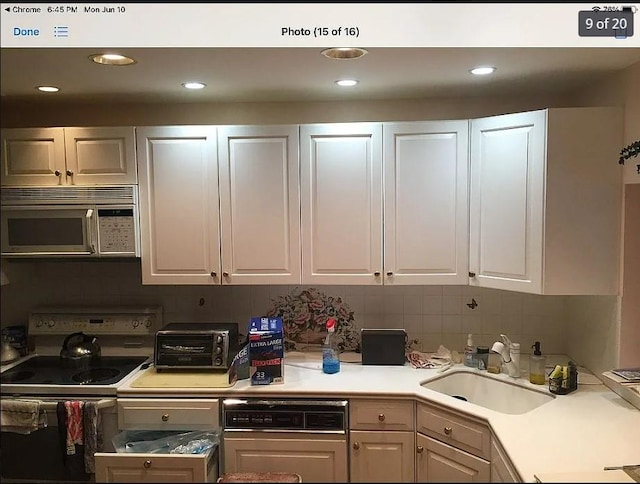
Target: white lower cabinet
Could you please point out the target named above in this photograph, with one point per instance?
(438, 462)
(162, 414)
(382, 440)
(316, 457)
(501, 468)
(451, 447)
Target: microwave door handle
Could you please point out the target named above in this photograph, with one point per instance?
(90, 244)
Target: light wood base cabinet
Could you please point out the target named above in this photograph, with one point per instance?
(501, 468)
(382, 456)
(439, 462)
(316, 457)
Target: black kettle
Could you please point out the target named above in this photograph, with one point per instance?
(79, 350)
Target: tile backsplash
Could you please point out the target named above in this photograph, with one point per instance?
(433, 315)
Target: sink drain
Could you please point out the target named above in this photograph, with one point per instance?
(460, 397)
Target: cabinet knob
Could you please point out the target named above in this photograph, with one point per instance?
(448, 430)
(389, 273)
(376, 273)
(69, 173)
(472, 274)
(147, 464)
(419, 449)
(356, 445)
(165, 417)
(225, 274)
(57, 173)
(214, 274)
(381, 417)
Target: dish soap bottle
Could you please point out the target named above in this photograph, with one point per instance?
(330, 353)
(536, 365)
(470, 353)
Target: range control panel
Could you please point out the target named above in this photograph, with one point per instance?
(52, 321)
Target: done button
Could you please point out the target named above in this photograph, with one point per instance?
(22, 32)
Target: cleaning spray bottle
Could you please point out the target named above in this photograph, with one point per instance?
(470, 353)
(330, 352)
(537, 363)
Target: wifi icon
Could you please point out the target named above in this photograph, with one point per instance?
(596, 9)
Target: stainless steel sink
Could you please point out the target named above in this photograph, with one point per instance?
(492, 392)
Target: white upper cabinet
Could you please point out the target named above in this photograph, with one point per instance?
(545, 201)
(425, 202)
(259, 204)
(68, 156)
(341, 190)
(179, 209)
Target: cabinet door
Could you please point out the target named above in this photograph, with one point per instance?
(507, 201)
(179, 214)
(32, 156)
(260, 204)
(341, 190)
(317, 458)
(382, 456)
(501, 468)
(425, 202)
(100, 156)
(438, 462)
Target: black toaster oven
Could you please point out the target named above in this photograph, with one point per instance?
(199, 346)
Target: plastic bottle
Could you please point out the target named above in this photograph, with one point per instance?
(330, 353)
(537, 363)
(482, 357)
(515, 357)
(470, 353)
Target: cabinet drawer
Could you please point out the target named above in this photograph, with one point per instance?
(168, 414)
(381, 414)
(454, 429)
(125, 467)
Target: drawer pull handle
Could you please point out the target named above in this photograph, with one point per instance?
(214, 273)
(356, 445)
(376, 273)
(147, 464)
(389, 273)
(420, 449)
(165, 417)
(225, 274)
(381, 417)
(448, 430)
(57, 172)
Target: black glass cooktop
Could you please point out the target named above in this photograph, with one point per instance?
(49, 370)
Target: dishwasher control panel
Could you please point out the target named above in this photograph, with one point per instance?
(307, 415)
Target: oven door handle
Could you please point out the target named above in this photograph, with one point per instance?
(51, 406)
(90, 229)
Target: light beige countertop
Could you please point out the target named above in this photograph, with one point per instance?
(581, 432)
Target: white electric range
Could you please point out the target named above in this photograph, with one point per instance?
(125, 336)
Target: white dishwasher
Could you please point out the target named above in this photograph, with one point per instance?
(302, 436)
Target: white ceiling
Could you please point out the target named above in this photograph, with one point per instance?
(301, 74)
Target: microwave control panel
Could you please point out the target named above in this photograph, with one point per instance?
(117, 230)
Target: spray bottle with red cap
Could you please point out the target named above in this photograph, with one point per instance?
(330, 352)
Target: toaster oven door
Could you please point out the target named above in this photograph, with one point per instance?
(184, 351)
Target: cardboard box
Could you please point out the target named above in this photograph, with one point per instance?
(266, 351)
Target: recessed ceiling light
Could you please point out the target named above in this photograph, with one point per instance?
(193, 85)
(48, 88)
(482, 71)
(112, 59)
(344, 53)
(346, 82)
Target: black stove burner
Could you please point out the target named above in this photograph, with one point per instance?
(49, 370)
(95, 375)
(16, 376)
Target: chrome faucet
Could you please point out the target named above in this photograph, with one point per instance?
(504, 349)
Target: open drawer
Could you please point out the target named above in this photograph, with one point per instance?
(139, 415)
(125, 467)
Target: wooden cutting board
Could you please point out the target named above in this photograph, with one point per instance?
(150, 378)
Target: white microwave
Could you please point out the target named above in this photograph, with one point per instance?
(70, 221)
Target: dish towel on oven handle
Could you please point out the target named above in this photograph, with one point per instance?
(21, 416)
(75, 425)
(92, 426)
